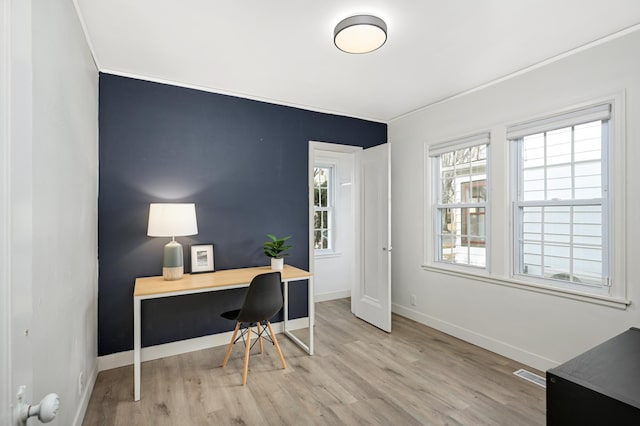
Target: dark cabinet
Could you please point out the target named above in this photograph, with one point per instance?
(599, 387)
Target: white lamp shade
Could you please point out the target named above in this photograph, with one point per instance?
(172, 220)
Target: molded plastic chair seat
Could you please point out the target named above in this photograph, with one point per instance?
(262, 302)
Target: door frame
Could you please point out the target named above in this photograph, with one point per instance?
(5, 311)
(355, 198)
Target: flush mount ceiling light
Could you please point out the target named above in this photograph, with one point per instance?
(360, 34)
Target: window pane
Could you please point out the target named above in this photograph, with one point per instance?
(558, 146)
(477, 253)
(475, 191)
(323, 187)
(463, 175)
(533, 184)
(562, 242)
(450, 248)
(555, 265)
(447, 220)
(473, 226)
(533, 151)
(448, 187)
(587, 227)
(563, 164)
(462, 231)
(476, 222)
(588, 178)
(446, 160)
(588, 144)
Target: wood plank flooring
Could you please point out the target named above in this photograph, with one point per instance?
(359, 375)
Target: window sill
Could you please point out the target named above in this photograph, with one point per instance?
(554, 291)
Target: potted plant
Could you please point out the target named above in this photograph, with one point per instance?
(275, 249)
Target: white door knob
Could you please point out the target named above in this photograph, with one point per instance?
(45, 411)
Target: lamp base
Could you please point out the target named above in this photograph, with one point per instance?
(173, 264)
(172, 274)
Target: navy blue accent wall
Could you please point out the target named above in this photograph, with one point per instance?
(242, 162)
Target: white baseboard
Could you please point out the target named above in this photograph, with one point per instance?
(486, 342)
(120, 359)
(86, 396)
(332, 295)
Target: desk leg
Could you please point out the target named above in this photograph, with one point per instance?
(312, 315)
(307, 347)
(136, 349)
(286, 305)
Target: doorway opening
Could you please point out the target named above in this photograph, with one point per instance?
(350, 228)
(334, 231)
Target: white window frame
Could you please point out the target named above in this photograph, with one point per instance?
(515, 134)
(330, 209)
(502, 272)
(435, 206)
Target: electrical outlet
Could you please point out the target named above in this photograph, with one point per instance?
(414, 300)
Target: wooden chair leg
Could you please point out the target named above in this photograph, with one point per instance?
(275, 342)
(246, 356)
(233, 340)
(259, 336)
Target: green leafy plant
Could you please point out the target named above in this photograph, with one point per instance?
(276, 247)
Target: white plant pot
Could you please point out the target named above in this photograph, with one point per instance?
(277, 264)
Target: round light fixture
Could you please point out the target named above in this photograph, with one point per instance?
(360, 34)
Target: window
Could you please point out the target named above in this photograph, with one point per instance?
(561, 201)
(461, 200)
(323, 212)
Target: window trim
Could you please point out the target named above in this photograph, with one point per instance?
(618, 292)
(515, 135)
(598, 299)
(433, 204)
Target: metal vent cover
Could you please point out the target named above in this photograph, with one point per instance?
(531, 377)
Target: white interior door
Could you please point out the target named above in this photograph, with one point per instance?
(5, 306)
(15, 204)
(372, 294)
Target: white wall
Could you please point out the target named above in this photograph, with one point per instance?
(541, 330)
(64, 209)
(334, 273)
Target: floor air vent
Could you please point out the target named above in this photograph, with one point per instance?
(533, 378)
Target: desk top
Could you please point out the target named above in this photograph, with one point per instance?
(611, 368)
(148, 286)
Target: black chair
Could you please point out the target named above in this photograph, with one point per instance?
(262, 302)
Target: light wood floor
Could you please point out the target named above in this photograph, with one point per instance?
(359, 375)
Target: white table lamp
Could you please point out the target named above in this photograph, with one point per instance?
(172, 220)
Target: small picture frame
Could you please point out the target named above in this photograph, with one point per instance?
(202, 258)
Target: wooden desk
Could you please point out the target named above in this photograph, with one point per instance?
(157, 287)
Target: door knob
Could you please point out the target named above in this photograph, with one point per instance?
(45, 411)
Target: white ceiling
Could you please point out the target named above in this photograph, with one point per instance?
(282, 51)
